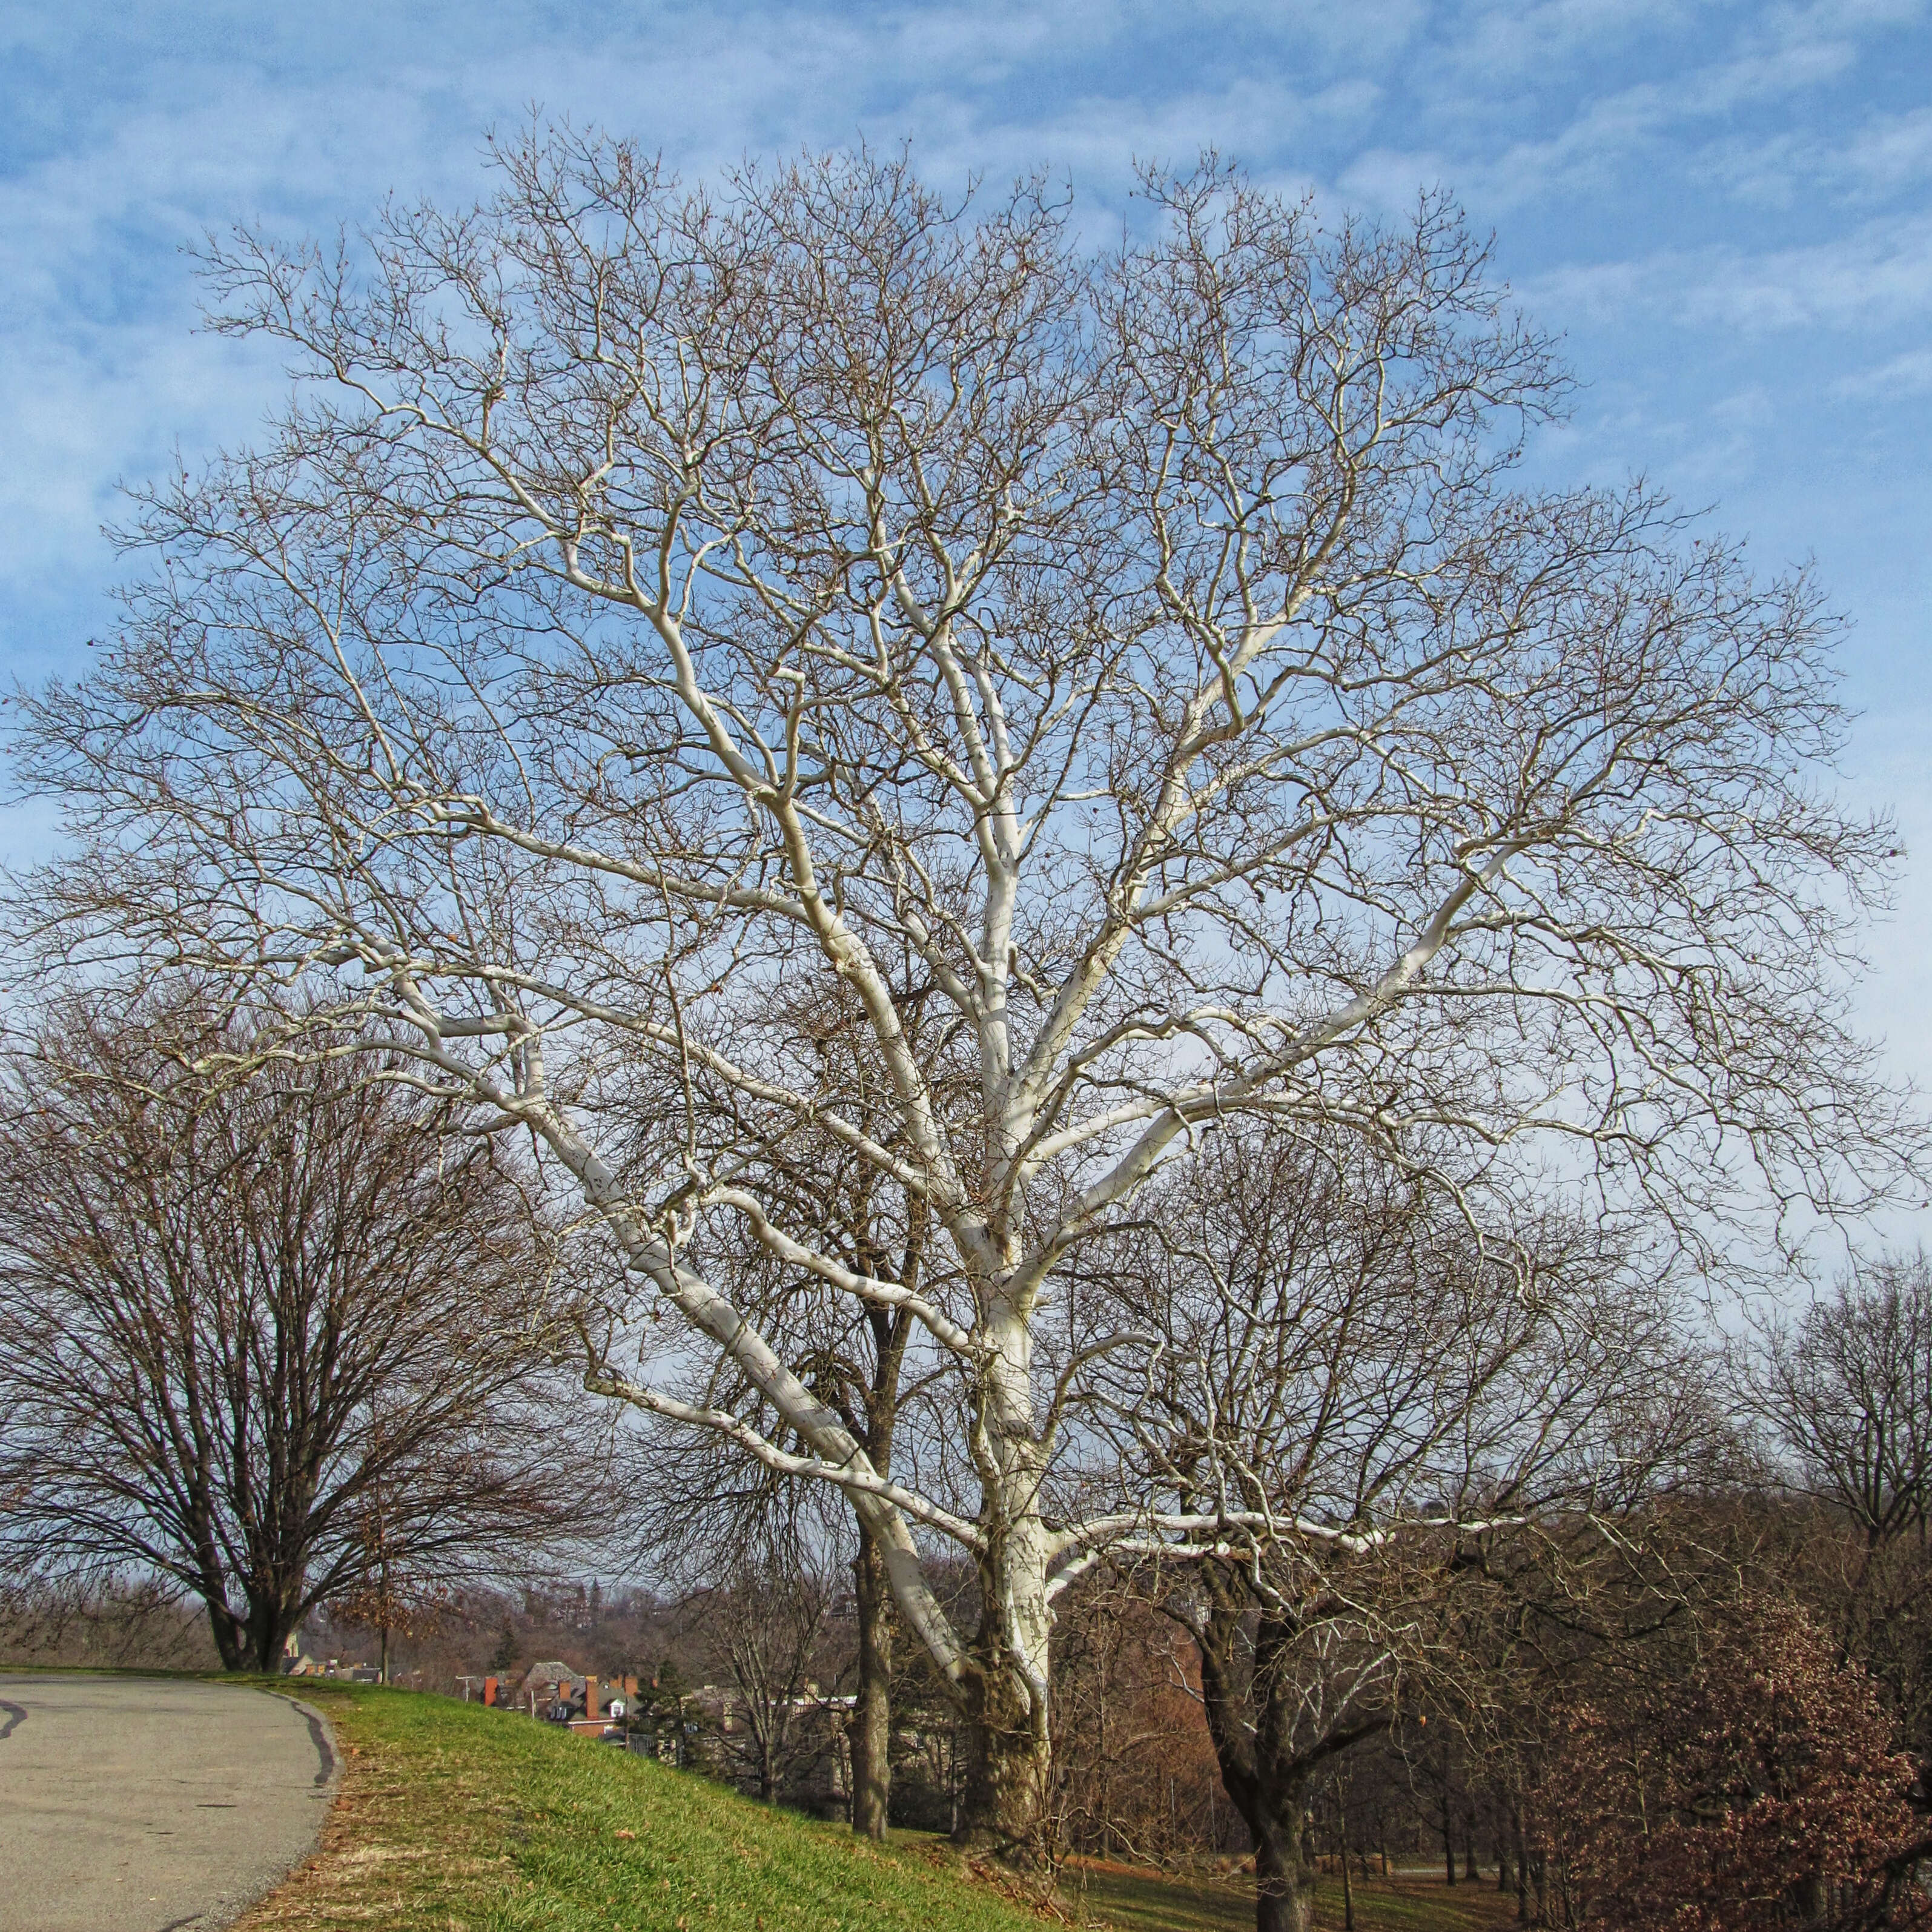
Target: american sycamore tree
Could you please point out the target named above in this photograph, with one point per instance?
(1123, 688)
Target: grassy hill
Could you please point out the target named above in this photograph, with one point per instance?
(455, 1819)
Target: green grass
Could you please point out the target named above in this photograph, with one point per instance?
(457, 1819)
(454, 1819)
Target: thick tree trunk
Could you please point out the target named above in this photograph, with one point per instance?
(253, 1639)
(1002, 1805)
(273, 1611)
(869, 1735)
(1284, 1872)
(870, 1730)
(1266, 1780)
(1005, 1686)
(1348, 1886)
(1521, 1851)
(230, 1635)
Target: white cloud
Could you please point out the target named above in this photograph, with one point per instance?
(1789, 251)
(238, 121)
(1537, 42)
(1910, 374)
(1883, 156)
(1892, 151)
(1497, 81)
(1873, 279)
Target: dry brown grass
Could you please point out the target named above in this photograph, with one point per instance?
(397, 1849)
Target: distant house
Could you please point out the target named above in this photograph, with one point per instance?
(551, 1683)
(314, 1666)
(706, 1728)
(579, 1699)
(297, 1662)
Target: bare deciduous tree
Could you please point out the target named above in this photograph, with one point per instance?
(772, 1622)
(264, 1338)
(1359, 1401)
(125, 1623)
(1848, 1394)
(1137, 660)
(1135, 1773)
(704, 1503)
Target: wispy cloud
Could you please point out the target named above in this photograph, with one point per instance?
(1896, 377)
(1874, 278)
(1525, 142)
(1723, 201)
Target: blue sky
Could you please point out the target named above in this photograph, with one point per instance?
(1726, 208)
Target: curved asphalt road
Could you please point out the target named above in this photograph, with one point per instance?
(142, 1804)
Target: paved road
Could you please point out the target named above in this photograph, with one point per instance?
(142, 1804)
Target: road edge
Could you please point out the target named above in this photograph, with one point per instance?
(329, 1788)
(321, 1734)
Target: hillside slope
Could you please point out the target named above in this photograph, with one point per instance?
(461, 1819)
(454, 1819)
